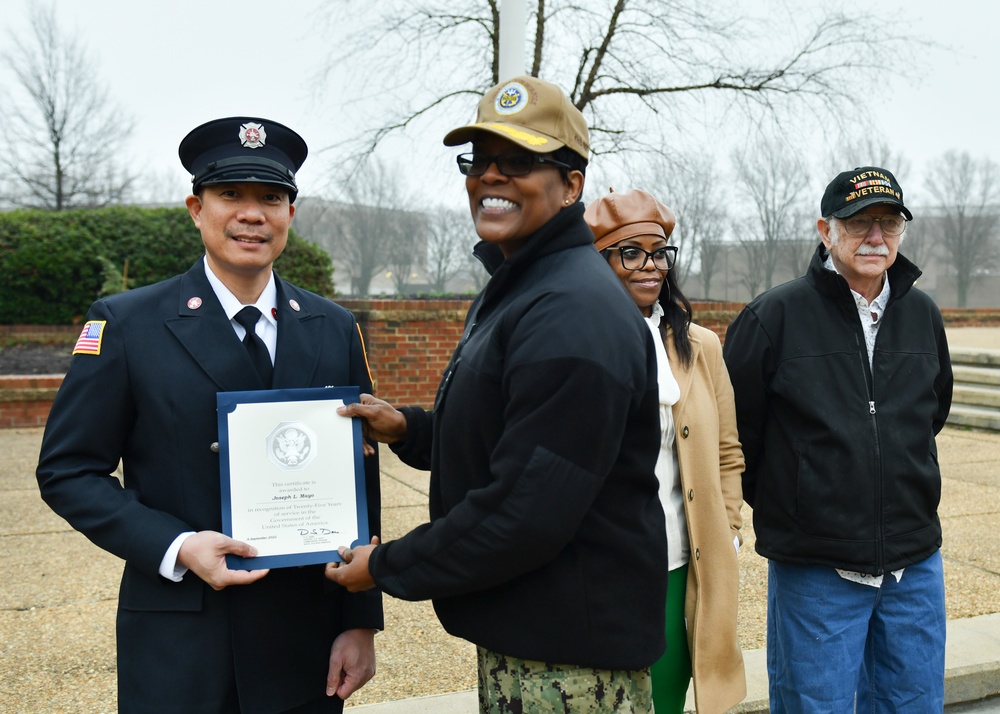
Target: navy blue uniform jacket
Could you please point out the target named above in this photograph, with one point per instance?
(148, 399)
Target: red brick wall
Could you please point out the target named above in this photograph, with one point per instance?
(716, 316)
(25, 401)
(408, 343)
(971, 317)
(45, 334)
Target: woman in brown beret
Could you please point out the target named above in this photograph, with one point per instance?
(699, 465)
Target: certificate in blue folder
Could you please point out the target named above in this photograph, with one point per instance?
(293, 478)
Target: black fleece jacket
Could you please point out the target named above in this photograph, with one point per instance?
(841, 462)
(546, 539)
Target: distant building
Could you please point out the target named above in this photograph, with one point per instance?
(327, 224)
(737, 278)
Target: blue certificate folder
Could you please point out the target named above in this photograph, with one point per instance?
(292, 475)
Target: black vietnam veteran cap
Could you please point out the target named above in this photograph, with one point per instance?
(859, 188)
(243, 149)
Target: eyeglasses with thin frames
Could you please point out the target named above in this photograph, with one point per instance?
(510, 165)
(860, 223)
(635, 258)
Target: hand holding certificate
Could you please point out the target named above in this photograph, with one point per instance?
(293, 482)
(352, 573)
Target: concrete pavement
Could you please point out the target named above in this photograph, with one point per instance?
(970, 514)
(58, 595)
(972, 674)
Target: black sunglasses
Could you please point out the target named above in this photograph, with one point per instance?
(510, 165)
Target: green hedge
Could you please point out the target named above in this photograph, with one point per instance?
(53, 265)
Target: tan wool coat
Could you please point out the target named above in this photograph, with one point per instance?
(711, 468)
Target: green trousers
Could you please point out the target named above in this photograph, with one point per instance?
(671, 674)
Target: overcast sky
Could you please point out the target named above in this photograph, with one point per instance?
(173, 65)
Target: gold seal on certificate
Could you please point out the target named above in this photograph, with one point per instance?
(292, 475)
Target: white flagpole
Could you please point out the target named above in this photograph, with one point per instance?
(513, 17)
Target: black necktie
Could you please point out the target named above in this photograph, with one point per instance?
(255, 346)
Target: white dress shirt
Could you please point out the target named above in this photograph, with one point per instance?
(267, 330)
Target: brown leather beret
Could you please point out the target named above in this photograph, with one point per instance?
(618, 216)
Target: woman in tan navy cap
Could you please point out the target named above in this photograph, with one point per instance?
(700, 462)
(546, 543)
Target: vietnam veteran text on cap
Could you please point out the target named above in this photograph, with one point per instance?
(243, 149)
(859, 188)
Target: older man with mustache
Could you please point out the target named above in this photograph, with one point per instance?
(842, 380)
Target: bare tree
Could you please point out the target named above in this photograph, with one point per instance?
(368, 224)
(407, 248)
(710, 255)
(867, 150)
(62, 136)
(774, 182)
(450, 238)
(161, 186)
(968, 193)
(475, 271)
(753, 266)
(921, 239)
(802, 240)
(691, 187)
(620, 60)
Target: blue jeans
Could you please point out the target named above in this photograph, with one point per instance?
(832, 642)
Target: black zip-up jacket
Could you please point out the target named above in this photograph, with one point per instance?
(547, 538)
(841, 462)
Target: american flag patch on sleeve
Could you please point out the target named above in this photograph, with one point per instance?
(89, 342)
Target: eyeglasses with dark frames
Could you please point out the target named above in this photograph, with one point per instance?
(635, 258)
(860, 223)
(510, 165)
